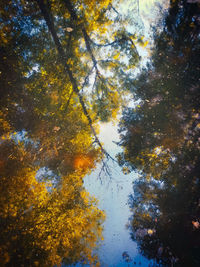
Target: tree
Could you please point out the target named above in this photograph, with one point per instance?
(49, 86)
(160, 137)
(165, 215)
(42, 225)
(167, 91)
(57, 64)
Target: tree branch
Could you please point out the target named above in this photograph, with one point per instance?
(88, 41)
(124, 38)
(86, 80)
(114, 9)
(63, 58)
(85, 35)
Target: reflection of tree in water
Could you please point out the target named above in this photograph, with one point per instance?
(56, 68)
(41, 225)
(161, 140)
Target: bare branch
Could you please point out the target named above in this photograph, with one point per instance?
(107, 44)
(114, 9)
(124, 38)
(85, 34)
(138, 6)
(86, 80)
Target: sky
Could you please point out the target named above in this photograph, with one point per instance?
(113, 192)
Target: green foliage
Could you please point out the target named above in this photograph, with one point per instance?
(160, 138)
(39, 97)
(50, 53)
(167, 92)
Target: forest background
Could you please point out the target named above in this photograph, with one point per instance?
(62, 74)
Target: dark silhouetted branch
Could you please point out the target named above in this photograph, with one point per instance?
(45, 10)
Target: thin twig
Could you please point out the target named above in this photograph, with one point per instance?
(86, 80)
(114, 9)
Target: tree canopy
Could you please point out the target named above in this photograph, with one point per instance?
(57, 65)
(42, 225)
(63, 66)
(160, 137)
